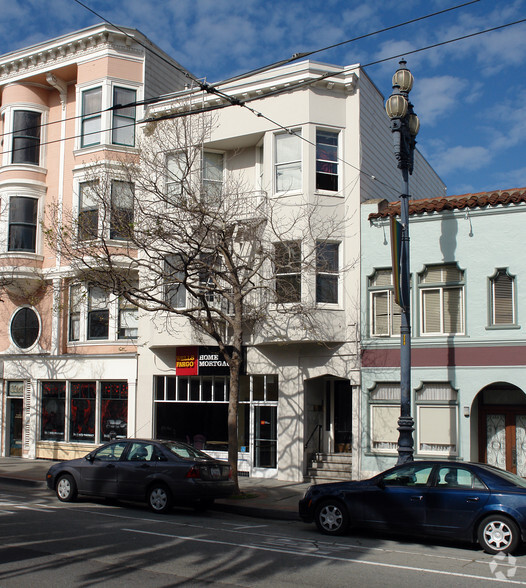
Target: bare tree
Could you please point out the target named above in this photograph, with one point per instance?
(168, 233)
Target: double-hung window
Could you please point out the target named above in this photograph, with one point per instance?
(128, 319)
(88, 221)
(175, 292)
(123, 127)
(502, 298)
(326, 160)
(98, 313)
(23, 213)
(176, 176)
(288, 161)
(75, 307)
(122, 197)
(26, 137)
(442, 300)
(384, 312)
(91, 117)
(212, 177)
(327, 266)
(287, 262)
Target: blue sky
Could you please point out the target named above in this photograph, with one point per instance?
(469, 95)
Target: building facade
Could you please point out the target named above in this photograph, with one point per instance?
(316, 138)
(68, 352)
(468, 348)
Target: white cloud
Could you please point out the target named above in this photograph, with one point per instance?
(437, 96)
(460, 158)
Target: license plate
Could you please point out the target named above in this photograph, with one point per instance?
(215, 472)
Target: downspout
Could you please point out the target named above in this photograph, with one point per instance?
(61, 87)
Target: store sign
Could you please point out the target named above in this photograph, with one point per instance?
(200, 361)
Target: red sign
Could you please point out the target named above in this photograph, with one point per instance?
(186, 362)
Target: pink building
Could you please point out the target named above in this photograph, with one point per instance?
(68, 355)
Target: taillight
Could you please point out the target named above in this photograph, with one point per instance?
(193, 472)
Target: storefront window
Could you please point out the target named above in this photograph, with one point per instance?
(114, 410)
(53, 411)
(82, 404)
(194, 409)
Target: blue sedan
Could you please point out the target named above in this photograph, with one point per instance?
(467, 501)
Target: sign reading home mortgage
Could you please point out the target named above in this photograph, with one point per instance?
(200, 361)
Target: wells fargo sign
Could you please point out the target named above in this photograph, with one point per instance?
(200, 361)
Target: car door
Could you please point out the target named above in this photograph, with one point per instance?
(136, 469)
(454, 500)
(98, 475)
(397, 499)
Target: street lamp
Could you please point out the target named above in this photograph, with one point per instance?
(404, 126)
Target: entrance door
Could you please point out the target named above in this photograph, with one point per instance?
(16, 409)
(342, 415)
(503, 438)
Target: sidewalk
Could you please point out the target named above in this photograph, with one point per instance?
(271, 499)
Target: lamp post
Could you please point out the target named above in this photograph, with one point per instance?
(404, 126)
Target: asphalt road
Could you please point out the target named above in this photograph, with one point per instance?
(47, 543)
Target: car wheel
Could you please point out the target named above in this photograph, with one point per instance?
(159, 498)
(498, 534)
(332, 518)
(66, 488)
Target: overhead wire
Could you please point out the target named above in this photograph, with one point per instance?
(232, 101)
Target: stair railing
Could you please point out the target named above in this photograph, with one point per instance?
(317, 429)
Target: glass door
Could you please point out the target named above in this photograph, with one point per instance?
(504, 439)
(265, 436)
(16, 409)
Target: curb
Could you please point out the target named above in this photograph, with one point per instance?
(257, 512)
(22, 482)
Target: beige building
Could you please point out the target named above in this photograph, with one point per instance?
(316, 137)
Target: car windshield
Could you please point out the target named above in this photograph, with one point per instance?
(184, 451)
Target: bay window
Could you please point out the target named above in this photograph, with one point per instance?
(288, 161)
(122, 201)
(23, 213)
(26, 137)
(91, 117)
(212, 177)
(287, 262)
(123, 127)
(98, 313)
(327, 267)
(326, 160)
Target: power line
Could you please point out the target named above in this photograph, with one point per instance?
(230, 101)
(297, 56)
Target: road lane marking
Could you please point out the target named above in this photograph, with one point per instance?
(322, 556)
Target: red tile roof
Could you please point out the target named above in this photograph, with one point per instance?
(479, 200)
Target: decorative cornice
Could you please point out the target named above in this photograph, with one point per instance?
(53, 54)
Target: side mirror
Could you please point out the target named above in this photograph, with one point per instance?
(381, 484)
(90, 457)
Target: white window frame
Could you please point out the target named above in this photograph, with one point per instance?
(207, 179)
(107, 86)
(328, 273)
(293, 163)
(441, 287)
(291, 243)
(336, 162)
(8, 116)
(81, 312)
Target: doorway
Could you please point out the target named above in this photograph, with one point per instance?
(15, 414)
(502, 428)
